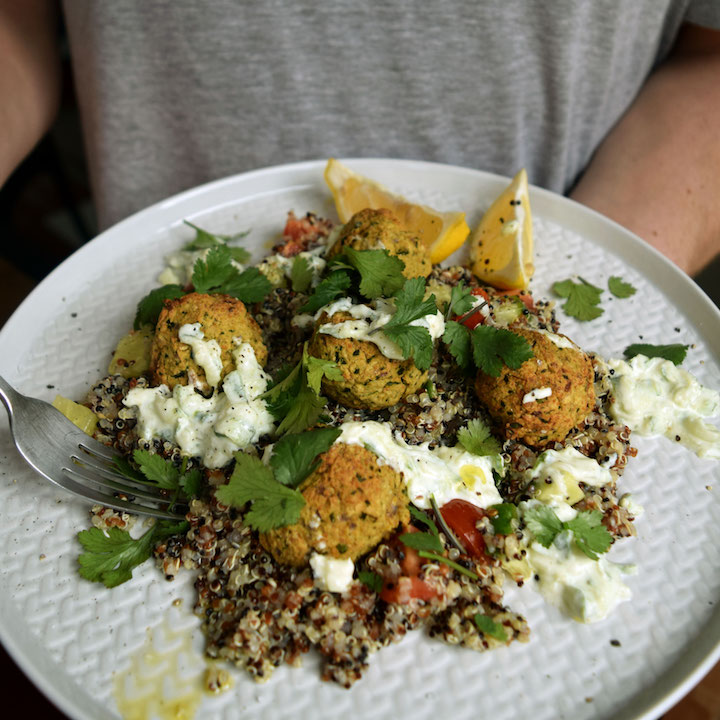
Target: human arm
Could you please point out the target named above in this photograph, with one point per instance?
(29, 77)
(658, 170)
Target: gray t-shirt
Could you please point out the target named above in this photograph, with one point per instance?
(174, 93)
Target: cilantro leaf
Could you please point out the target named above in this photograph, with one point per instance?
(273, 504)
(317, 368)
(582, 299)
(491, 347)
(301, 274)
(410, 304)
(204, 239)
(334, 285)
(461, 300)
(422, 541)
(371, 579)
(477, 439)
(111, 557)
(486, 625)
(216, 274)
(381, 274)
(505, 512)
(294, 456)
(457, 338)
(675, 352)
(157, 470)
(619, 288)
(304, 409)
(423, 518)
(281, 395)
(414, 342)
(191, 482)
(591, 536)
(543, 523)
(150, 307)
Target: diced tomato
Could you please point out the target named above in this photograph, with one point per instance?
(406, 589)
(462, 517)
(526, 299)
(476, 318)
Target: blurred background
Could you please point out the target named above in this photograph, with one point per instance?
(46, 213)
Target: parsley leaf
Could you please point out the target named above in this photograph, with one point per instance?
(273, 504)
(334, 285)
(301, 274)
(216, 274)
(504, 513)
(591, 536)
(543, 523)
(486, 625)
(492, 346)
(294, 456)
(111, 557)
(675, 352)
(582, 299)
(457, 338)
(477, 439)
(461, 300)
(371, 579)
(150, 307)
(381, 274)
(422, 541)
(619, 288)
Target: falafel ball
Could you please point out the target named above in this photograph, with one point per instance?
(373, 229)
(370, 380)
(222, 318)
(351, 503)
(546, 397)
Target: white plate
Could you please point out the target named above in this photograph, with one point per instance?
(72, 637)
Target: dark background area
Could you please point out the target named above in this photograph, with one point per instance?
(46, 214)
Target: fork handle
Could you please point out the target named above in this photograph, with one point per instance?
(7, 394)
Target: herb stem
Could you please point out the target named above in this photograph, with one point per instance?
(449, 563)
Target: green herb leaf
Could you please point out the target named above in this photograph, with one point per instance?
(457, 338)
(371, 580)
(675, 352)
(110, 558)
(336, 284)
(250, 286)
(191, 482)
(488, 626)
(273, 504)
(414, 342)
(491, 347)
(543, 523)
(150, 307)
(591, 536)
(477, 439)
(217, 274)
(461, 300)
(410, 304)
(619, 288)
(301, 274)
(501, 521)
(280, 397)
(450, 563)
(422, 541)
(317, 368)
(157, 470)
(381, 274)
(424, 518)
(582, 299)
(294, 456)
(204, 239)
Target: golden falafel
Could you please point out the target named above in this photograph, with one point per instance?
(222, 318)
(351, 503)
(370, 380)
(376, 229)
(546, 397)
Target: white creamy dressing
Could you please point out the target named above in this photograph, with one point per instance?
(179, 266)
(206, 353)
(560, 340)
(443, 473)
(368, 320)
(210, 428)
(537, 394)
(655, 397)
(332, 574)
(587, 590)
(278, 266)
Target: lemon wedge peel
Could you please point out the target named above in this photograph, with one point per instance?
(501, 247)
(442, 233)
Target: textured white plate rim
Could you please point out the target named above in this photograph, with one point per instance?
(702, 653)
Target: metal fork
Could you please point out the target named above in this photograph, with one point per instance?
(66, 456)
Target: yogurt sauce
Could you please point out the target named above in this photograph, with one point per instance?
(211, 428)
(368, 321)
(206, 353)
(332, 574)
(655, 397)
(443, 473)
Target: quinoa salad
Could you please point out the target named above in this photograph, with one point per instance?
(362, 444)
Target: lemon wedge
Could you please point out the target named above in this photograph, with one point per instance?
(501, 248)
(442, 233)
